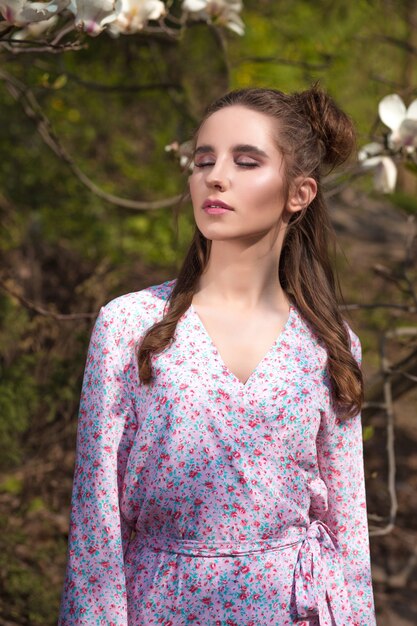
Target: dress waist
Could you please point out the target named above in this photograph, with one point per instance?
(319, 587)
(161, 543)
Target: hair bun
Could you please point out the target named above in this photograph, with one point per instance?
(331, 125)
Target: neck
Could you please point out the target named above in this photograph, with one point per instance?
(242, 275)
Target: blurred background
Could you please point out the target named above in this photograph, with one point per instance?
(90, 176)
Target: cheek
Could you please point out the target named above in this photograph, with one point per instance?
(196, 196)
(265, 190)
(194, 186)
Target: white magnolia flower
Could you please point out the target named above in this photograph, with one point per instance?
(21, 12)
(183, 152)
(35, 30)
(11, 10)
(93, 16)
(385, 176)
(135, 14)
(223, 12)
(401, 121)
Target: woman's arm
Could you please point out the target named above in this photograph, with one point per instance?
(340, 458)
(94, 590)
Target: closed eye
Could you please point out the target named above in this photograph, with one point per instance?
(203, 164)
(247, 164)
(239, 164)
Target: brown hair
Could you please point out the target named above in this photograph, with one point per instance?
(314, 135)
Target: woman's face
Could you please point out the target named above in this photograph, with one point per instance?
(237, 185)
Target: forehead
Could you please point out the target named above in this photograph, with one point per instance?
(238, 125)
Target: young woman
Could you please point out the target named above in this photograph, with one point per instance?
(219, 474)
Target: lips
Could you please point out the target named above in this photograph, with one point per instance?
(211, 204)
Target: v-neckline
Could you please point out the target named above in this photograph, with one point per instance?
(220, 359)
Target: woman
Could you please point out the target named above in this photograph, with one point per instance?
(219, 474)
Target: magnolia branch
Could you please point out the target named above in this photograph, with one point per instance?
(17, 46)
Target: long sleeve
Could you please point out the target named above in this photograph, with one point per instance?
(94, 589)
(340, 459)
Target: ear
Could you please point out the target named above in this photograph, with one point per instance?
(303, 192)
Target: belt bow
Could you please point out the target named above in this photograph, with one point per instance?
(319, 583)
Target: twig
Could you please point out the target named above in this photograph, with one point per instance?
(408, 331)
(378, 305)
(401, 578)
(120, 88)
(23, 94)
(399, 43)
(406, 374)
(61, 317)
(374, 405)
(410, 239)
(305, 65)
(65, 30)
(389, 410)
(381, 79)
(23, 46)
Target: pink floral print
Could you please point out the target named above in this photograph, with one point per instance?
(203, 500)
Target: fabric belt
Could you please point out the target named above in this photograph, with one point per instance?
(319, 584)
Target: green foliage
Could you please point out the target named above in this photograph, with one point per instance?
(29, 595)
(368, 433)
(114, 106)
(405, 201)
(18, 393)
(11, 485)
(348, 47)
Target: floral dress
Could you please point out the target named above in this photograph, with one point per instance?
(204, 500)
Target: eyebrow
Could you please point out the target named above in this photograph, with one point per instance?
(245, 147)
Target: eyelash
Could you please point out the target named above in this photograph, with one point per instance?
(239, 164)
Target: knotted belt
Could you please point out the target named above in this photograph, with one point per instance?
(319, 584)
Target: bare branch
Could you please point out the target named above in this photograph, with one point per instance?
(409, 376)
(401, 578)
(408, 331)
(65, 30)
(389, 410)
(392, 84)
(305, 65)
(19, 46)
(33, 110)
(398, 43)
(61, 317)
(378, 305)
(410, 239)
(400, 375)
(120, 88)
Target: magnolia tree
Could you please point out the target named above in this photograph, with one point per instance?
(399, 144)
(116, 17)
(60, 25)
(49, 22)
(64, 25)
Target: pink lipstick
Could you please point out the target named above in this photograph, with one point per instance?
(215, 207)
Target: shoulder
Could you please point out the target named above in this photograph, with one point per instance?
(310, 348)
(148, 300)
(138, 310)
(309, 342)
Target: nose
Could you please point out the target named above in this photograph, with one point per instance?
(218, 177)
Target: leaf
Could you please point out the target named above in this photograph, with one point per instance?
(368, 433)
